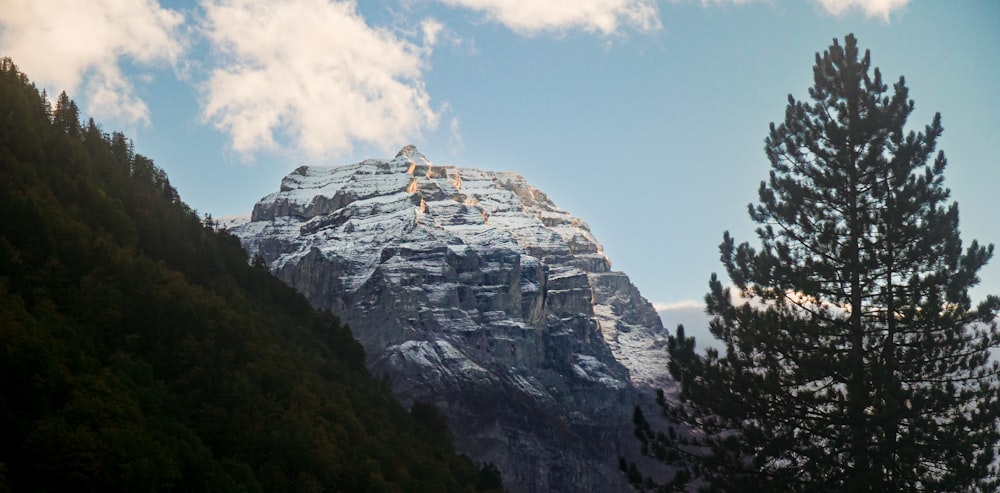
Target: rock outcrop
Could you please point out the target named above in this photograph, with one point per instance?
(471, 290)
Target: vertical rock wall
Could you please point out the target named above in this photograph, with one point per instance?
(471, 290)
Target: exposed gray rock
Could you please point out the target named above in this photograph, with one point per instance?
(473, 291)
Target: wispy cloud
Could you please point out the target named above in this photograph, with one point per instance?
(455, 135)
(678, 305)
(871, 8)
(432, 29)
(531, 17)
(66, 46)
(313, 75)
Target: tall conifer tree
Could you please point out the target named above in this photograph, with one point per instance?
(67, 115)
(854, 359)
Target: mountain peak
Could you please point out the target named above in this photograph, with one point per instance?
(408, 150)
(410, 153)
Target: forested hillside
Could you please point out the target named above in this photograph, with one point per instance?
(140, 352)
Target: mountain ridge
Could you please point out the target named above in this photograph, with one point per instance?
(472, 290)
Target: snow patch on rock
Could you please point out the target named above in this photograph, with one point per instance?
(473, 290)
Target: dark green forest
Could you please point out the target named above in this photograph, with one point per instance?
(139, 350)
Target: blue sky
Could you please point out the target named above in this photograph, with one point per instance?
(646, 118)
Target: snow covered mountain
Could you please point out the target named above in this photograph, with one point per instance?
(473, 291)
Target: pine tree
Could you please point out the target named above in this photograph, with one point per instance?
(123, 150)
(854, 359)
(66, 116)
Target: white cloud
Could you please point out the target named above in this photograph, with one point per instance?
(871, 8)
(431, 29)
(455, 137)
(678, 305)
(62, 45)
(533, 16)
(315, 73)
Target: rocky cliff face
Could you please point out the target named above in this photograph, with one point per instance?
(471, 290)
